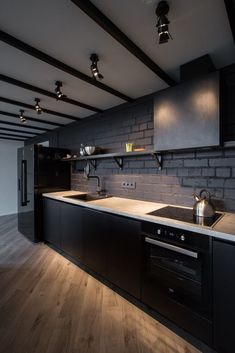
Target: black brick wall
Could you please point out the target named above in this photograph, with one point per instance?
(183, 173)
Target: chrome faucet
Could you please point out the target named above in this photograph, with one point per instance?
(88, 176)
(98, 189)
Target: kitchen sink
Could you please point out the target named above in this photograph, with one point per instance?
(88, 197)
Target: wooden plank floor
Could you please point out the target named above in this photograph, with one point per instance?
(49, 305)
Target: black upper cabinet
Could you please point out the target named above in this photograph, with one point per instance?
(52, 224)
(188, 115)
(71, 230)
(228, 102)
(224, 296)
(124, 254)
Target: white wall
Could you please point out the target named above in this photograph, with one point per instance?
(8, 176)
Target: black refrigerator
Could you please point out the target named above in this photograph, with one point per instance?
(40, 170)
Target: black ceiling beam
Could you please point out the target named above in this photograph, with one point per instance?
(16, 135)
(93, 12)
(30, 119)
(14, 130)
(29, 87)
(29, 106)
(23, 125)
(230, 8)
(11, 138)
(16, 43)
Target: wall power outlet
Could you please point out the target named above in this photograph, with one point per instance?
(128, 184)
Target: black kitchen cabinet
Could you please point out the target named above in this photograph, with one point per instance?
(108, 244)
(228, 102)
(112, 248)
(63, 227)
(52, 225)
(224, 296)
(71, 230)
(95, 234)
(124, 253)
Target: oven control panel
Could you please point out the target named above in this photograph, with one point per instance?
(175, 235)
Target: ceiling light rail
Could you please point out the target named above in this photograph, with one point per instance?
(28, 49)
(44, 92)
(10, 136)
(21, 131)
(3, 122)
(104, 22)
(12, 115)
(31, 107)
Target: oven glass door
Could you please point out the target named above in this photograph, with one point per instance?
(176, 273)
(182, 262)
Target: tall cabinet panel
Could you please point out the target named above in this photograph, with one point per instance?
(224, 296)
(124, 253)
(95, 236)
(52, 224)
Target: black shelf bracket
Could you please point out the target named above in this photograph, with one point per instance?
(158, 159)
(119, 161)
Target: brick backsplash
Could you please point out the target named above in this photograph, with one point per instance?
(183, 173)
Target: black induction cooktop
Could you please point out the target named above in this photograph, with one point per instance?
(185, 215)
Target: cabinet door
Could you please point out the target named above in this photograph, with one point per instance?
(71, 230)
(124, 253)
(95, 231)
(51, 217)
(228, 102)
(224, 296)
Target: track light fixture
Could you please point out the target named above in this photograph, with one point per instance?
(163, 22)
(94, 68)
(37, 106)
(23, 119)
(58, 92)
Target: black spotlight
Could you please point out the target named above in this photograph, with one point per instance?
(163, 22)
(37, 106)
(58, 92)
(23, 119)
(94, 68)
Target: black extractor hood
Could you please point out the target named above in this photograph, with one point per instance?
(187, 116)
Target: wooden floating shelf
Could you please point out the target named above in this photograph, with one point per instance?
(118, 157)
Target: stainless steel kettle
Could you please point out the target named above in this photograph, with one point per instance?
(203, 206)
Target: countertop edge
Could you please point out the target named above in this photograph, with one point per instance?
(144, 217)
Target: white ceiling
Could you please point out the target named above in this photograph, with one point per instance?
(62, 30)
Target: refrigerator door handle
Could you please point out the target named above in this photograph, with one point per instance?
(23, 183)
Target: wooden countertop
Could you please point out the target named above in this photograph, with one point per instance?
(137, 209)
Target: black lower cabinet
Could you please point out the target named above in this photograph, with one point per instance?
(71, 230)
(51, 222)
(94, 226)
(63, 227)
(224, 296)
(124, 253)
(112, 248)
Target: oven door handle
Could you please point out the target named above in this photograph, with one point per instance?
(172, 247)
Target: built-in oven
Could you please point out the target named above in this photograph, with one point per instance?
(177, 276)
